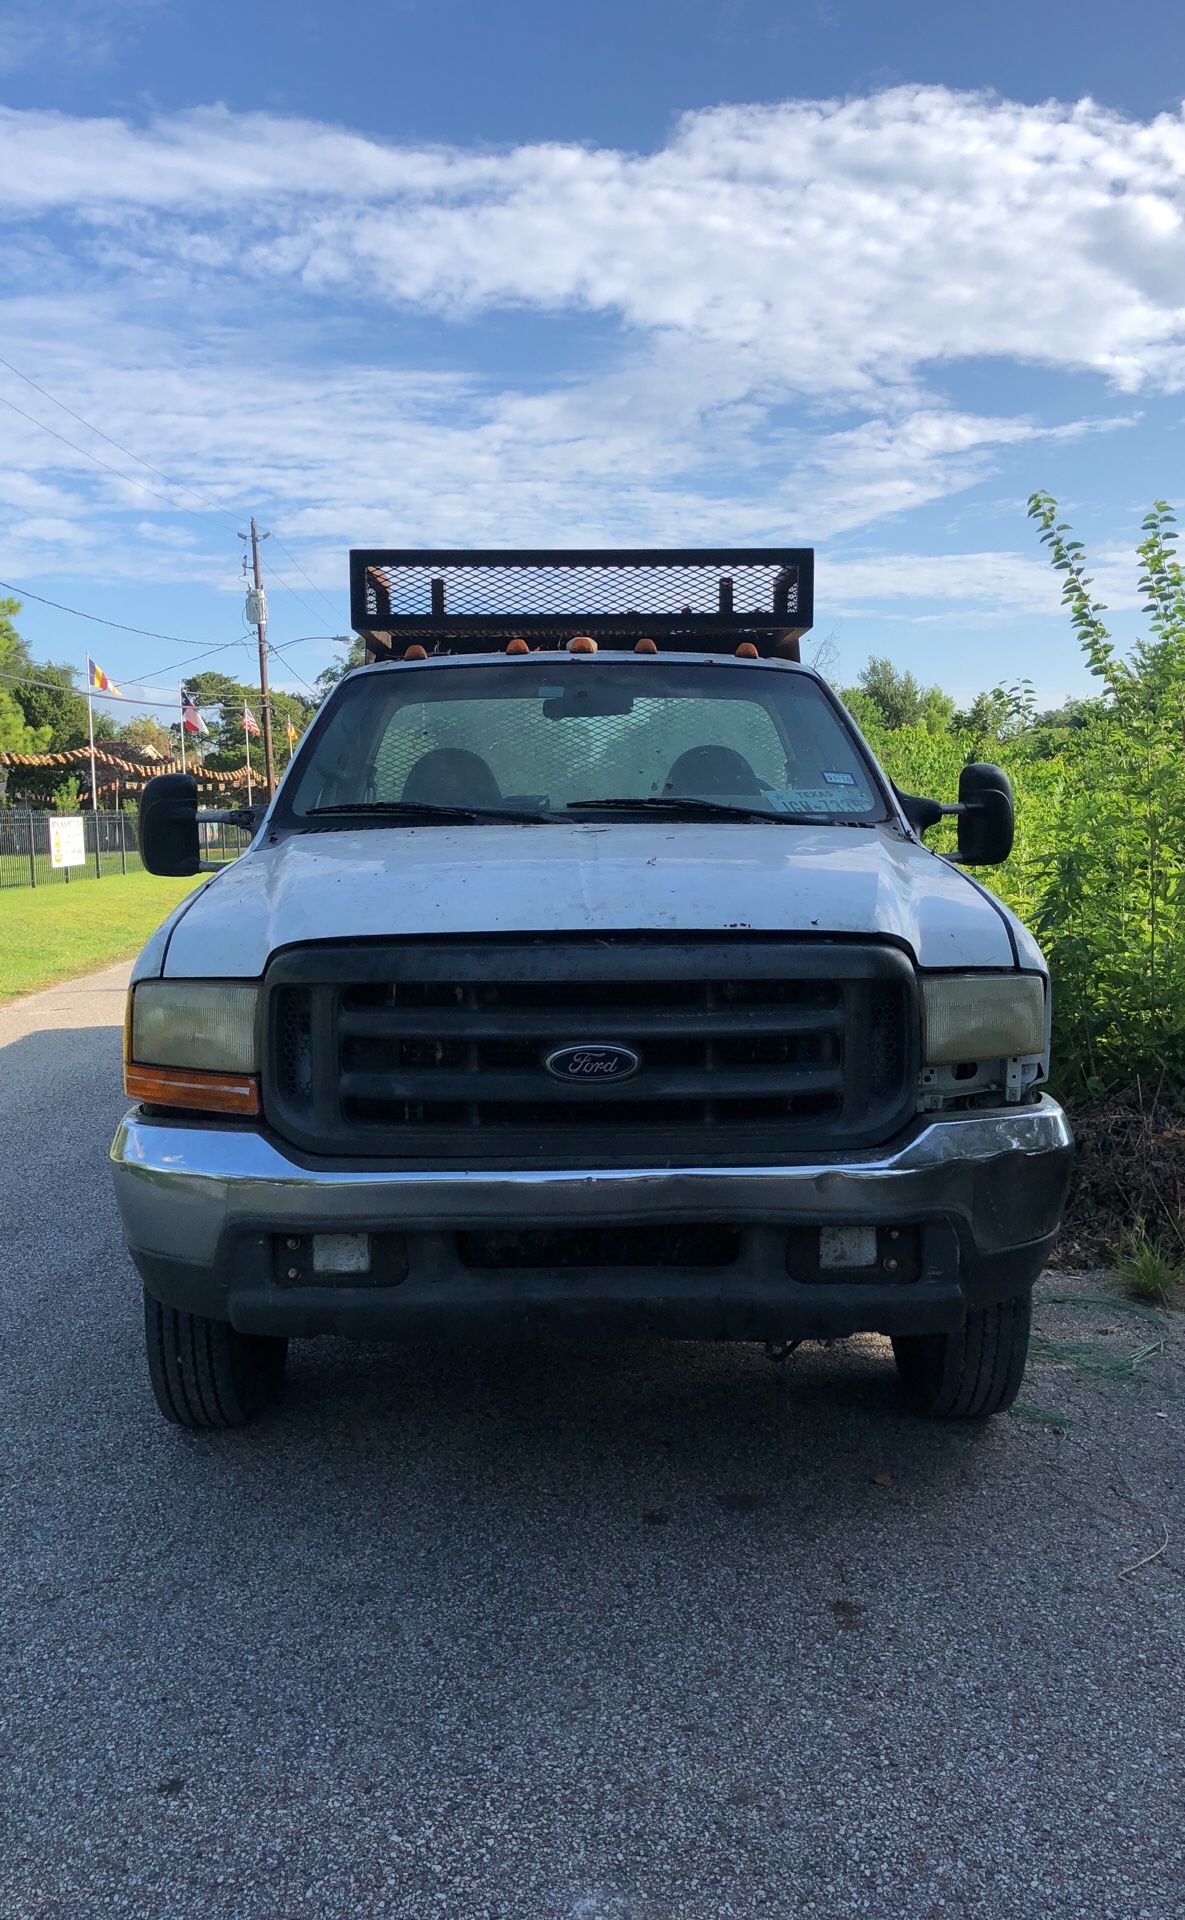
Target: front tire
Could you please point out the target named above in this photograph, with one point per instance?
(971, 1372)
(205, 1373)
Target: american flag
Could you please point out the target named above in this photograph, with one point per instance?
(250, 723)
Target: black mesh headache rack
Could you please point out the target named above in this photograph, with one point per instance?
(689, 599)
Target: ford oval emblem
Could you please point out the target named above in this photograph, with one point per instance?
(592, 1065)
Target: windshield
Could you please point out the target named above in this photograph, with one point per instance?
(548, 738)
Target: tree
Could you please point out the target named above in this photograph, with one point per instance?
(355, 656)
(224, 750)
(901, 700)
(143, 731)
(1110, 912)
(60, 707)
(16, 735)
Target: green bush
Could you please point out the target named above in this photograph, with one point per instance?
(1098, 869)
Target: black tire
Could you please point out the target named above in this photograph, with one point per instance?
(971, 1372)
(206, 1374)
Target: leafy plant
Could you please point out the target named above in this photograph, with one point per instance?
(65, 796)
(1098, 868)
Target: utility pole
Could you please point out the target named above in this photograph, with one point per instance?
(257, 611)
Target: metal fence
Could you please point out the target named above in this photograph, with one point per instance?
(109, 841)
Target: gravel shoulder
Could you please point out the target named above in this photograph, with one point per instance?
(608, 1632)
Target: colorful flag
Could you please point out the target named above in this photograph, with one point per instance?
(191, 719)
(97, 680)
(250, 724)
(290, 730)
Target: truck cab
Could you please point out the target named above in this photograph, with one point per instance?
(586, 975)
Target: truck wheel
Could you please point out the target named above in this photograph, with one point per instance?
(204, 1372)
(971, 1372)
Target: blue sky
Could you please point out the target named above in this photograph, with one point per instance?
(851, 275)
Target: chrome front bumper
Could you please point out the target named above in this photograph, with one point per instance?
(183, 1189)
(209, 1214)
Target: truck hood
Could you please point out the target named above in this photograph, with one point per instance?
(586, 878)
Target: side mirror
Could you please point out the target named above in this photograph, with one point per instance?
(921, 814)
(986, 815)
(168, 824)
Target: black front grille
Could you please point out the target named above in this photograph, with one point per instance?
(436, 1050)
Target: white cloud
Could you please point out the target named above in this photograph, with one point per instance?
(830, 243)
(777, 287)
(989, 585)
(33, 31)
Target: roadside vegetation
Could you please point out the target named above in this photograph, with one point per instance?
(1098, 872)
(49, 934)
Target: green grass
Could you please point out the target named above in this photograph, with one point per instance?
(1146, 1273)
(54, 933)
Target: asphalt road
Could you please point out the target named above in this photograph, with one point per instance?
(608, 1633)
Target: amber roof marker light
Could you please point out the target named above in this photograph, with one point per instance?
(517, 645)
(582, 643)
(645, 646)
(747, 651)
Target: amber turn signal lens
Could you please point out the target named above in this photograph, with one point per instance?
(645, 646)
(415, 652)
(236, 1093)
(747, 651)
(583, 643)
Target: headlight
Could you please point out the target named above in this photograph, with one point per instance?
(982, 1016)
(191, 1043)
(190, 1023)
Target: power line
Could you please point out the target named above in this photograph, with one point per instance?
(291, 669)
(128, 478)
(303, 639)
(180, 486)
(144, 699)
(146, 633)
(197, 494)
(288, 587)
(147, 697)
(131, 480)
(300, 570)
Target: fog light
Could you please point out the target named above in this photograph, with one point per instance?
(847, 1247)
(341, 1253)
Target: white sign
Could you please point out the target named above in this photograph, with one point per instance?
(67, 841)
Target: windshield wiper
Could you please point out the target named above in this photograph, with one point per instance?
(686, 803)
(419, 810)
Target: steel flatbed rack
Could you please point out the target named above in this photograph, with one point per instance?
(686, 599)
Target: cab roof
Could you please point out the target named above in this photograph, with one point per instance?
(559, 658)
(703, 600)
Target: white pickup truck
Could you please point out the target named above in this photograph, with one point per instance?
(586, 975)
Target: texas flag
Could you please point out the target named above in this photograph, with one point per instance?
(191, 719)
(250, 723)
(97, 680)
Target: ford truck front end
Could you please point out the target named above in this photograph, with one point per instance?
(587, 975)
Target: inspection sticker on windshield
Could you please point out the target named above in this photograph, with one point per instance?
(839, 779)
